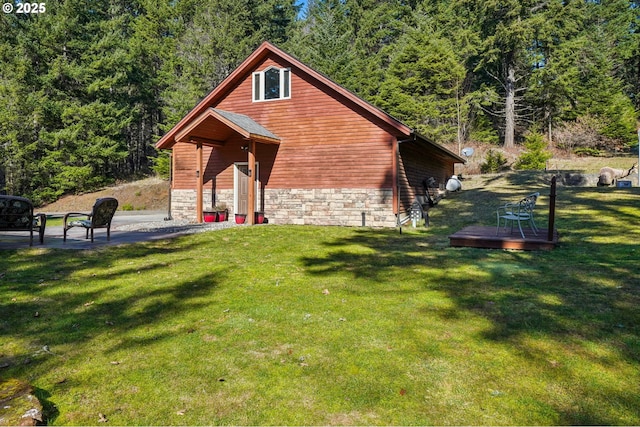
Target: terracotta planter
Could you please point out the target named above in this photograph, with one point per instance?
(241, 218)
(210, 216)
(259, 218)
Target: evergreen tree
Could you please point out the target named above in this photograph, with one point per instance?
(16, 114)
(577, 66)
(377, 28)
(632, 62)
(219, 35)
(325, 40)
(507, 29)
(461, 26)
(86, 87)
(423, 84)
(91, 94)
(535, 157)
(147, 40)
(556, 38)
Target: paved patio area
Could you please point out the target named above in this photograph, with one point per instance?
(127, 227)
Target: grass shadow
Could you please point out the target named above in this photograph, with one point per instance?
(58, 299)
(584, 293)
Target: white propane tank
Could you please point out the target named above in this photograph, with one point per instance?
(454, 184)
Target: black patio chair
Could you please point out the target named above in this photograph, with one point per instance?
(16, 214)
(100, 217)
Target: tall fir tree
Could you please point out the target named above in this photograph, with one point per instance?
(423, 84)
(377, 29)
(214, 39)
(507, 28)
(325, 40)
(87, 87)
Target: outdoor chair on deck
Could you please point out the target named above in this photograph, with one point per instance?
(100, 217)
(520, 212)
(16, 214)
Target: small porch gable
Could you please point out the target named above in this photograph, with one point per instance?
(214, 127)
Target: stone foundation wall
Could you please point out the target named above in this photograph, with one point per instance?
(329, 206)
(183, 202)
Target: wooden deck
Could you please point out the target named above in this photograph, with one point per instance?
(485, 237)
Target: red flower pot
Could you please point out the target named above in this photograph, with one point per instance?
(210, 216)
(240, 218)
(259, 217)
(222, 216)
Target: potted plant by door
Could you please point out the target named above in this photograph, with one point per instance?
(210, 216)
(259, 217)
(241, 218)
(223, 213)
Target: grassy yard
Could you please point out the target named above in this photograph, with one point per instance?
(329, 325)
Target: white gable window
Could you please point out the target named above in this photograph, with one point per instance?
(272, 83)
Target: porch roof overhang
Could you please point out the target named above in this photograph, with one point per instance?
(214, 127)
(441, 152)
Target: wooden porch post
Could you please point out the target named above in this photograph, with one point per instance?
(200, 183)
(251, 202)
(395, 147)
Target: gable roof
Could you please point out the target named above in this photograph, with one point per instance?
(259, 55)
(244, 125)
(234, 122)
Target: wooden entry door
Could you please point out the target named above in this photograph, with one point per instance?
(241, 187)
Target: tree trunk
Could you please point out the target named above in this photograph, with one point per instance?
(459, 115)
(510, 107)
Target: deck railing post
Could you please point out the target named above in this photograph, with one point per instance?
(552, 209)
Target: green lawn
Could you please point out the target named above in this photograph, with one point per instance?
(330, 325)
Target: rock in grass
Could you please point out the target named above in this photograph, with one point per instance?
(18, 406)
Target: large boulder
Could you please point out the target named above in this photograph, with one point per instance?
(18, 406)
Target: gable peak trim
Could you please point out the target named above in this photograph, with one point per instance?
(247, 67)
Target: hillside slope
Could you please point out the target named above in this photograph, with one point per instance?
(145, 194)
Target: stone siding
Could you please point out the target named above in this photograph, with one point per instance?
(183, 202)
(328, 206)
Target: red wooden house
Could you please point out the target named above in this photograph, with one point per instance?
(278, 137)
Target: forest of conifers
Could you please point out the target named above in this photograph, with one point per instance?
(88, 86)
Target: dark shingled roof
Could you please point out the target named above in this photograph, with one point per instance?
(246, 123)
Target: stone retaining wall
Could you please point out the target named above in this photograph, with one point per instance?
(579, 179)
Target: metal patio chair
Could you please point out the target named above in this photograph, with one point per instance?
(518, 212)
(100, 217)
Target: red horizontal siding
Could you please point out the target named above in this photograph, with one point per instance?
(417, 164)
(324, 143)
